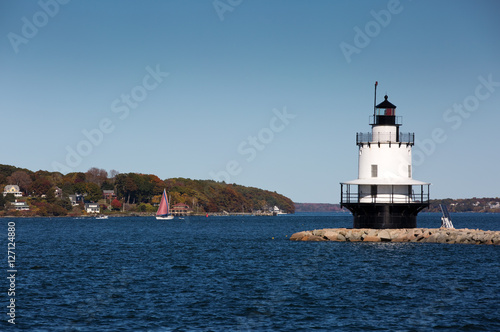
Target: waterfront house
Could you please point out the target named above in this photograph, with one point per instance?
(12, 189)
(92, 208)
(494, 205)
(20, 206)
(109, 194)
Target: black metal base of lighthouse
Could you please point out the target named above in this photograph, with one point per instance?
(369, 215)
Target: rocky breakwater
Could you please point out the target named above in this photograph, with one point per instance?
(424, 235)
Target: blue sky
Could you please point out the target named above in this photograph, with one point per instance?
(261, 93)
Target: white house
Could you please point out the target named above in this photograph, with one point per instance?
(92, 208)
(12, 189)
(20, 206)
(494, 205)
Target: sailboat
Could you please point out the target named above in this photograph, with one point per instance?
(163, 209)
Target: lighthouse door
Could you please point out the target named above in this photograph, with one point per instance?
(374, 193)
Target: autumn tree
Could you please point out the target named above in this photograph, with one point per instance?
(126, 187)
(96, 175)
(41, 186)
(64, 203)
(7, 170)
(56, 210)
(75, 177)
(2, 202)
(136, 188)
(116, 204)
(113, 173)
(10, 198)
(106, 185)
(50, 196)
(157, 183)
(21, 179)
(92, 191)
(56, 178)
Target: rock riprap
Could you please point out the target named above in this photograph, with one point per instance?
(424, 235)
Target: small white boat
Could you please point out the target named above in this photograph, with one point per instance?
(163, 212)
(170, 217)
(101, 217)
(277, 211)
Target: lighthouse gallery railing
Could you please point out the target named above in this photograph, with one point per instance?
(366, 138)
(418, 194)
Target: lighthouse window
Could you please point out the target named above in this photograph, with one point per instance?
(374, 171)
(409, 171)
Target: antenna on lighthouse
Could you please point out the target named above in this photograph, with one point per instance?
(375, 99)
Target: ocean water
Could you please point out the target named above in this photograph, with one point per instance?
(244, 274)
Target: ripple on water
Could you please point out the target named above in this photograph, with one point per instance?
(230, 274)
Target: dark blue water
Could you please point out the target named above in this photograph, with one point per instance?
(243, 274)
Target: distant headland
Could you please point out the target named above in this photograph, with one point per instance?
(43, 193)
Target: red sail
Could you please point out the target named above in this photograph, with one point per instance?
(163, 209)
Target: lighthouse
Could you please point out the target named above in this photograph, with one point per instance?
(384, 195)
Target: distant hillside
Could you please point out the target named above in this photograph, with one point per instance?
(485, 204)
(317, 207)
(214, 196)
(47, 193)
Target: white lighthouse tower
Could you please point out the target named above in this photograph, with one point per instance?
(385, 195)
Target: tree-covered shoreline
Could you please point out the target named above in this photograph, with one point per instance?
(48, 193)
